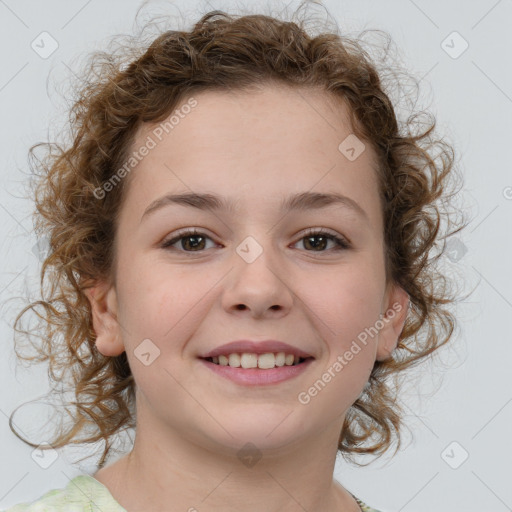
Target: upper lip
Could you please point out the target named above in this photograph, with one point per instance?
(256, 347)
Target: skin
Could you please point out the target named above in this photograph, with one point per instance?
(256, 148)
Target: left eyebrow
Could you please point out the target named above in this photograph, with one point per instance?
(301, 201)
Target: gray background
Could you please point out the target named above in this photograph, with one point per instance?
(464, 397)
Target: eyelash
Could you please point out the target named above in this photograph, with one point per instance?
(342, 243)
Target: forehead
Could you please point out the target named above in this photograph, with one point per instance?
(266, 118)
(270, 142)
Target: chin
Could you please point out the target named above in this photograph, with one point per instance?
(269, 433)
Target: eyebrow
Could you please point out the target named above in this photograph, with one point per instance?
(298, 202)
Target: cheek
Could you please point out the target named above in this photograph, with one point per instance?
(344, 317)
(157, 304)
(346, 305)
(345, 301)
(160, 313)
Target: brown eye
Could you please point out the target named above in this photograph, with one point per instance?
(191, 241)
(318, 241)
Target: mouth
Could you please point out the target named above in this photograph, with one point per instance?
(255, 363)
(267, 361)
(250, 369)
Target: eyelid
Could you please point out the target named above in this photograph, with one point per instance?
(327, 231)
(183, 233)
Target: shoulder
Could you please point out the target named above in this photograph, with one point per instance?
(364, 507)
(81, 493)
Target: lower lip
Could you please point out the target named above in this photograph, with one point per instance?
(257, 376)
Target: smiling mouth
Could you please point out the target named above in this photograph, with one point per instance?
(257, 361)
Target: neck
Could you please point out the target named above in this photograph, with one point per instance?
(166, 471)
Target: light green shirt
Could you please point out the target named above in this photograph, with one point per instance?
(82, 494)
(86, 494)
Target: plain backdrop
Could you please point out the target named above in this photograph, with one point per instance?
(459, 411)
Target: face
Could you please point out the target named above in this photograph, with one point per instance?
(253, 270)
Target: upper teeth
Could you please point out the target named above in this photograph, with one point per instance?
(250, 360)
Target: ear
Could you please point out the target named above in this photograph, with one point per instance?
(103, 299)
(395, 308)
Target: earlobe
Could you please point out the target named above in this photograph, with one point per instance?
(392, 322)
(103, 300)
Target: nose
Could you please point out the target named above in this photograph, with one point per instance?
(260, 288)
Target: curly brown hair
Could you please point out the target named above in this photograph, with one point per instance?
(119, 93)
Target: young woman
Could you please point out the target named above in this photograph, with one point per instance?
(238, 235)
